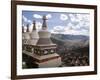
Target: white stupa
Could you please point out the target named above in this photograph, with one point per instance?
(39, 46)
(34, 35)
(26, 35)
(44, 34)
(23, 35)
(45, 50)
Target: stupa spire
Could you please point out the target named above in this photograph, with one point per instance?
(27, 28)
(22, 29)
(34, 25)
(44, 25)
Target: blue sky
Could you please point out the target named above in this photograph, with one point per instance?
(59, 22)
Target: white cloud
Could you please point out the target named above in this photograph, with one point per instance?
(63, 17)
(49, 16)
(83, 17)
(29, 21)
(73, 18)
(69, 30)
(76, 32)
(40, 16)
(86, 18)
(81, 20)
(83, 25)
(24, 28)
(70, 24)
(71, 15)
(79, 17)
(38, 25)
(79, 25)
(37, 16)
(24, 18)
(58, 28)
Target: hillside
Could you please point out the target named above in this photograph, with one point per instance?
(73, 49)
(70, 42)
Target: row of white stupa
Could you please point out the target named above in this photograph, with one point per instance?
(40, 46)
(32, 37)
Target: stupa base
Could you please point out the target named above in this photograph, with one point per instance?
(45, 61)
(50, 60)
(49, 63)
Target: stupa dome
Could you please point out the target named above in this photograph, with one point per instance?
(44, 34)
(27, 35)
(23, 34)
(34, 35)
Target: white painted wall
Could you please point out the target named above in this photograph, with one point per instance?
(5, 37)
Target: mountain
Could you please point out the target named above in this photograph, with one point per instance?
(69, 37)
(72, 49)
(70, 42)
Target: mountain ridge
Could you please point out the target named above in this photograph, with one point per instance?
(79, 41)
